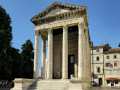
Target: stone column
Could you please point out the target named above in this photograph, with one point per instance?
(65, 53)
(84, 55)
(43, 60)
(36, 56)
(50, 55)
(89, 60)
(80, 49)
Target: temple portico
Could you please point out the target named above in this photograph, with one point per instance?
(67, 63)
(46, 33)
(68, 44)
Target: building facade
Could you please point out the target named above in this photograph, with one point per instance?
(105, 65)
(112, 67)
(65, 28)
(97, 63)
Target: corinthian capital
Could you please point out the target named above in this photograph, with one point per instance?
(37, 33)
(65, 28)
(50, 31)
(43, 37)
(81, 25)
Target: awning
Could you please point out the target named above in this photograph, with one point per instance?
(112, 79)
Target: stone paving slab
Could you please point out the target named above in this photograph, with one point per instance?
(95, 88)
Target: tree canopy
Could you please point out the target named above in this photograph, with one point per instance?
(5, 44)
(13, 64)
(27, 56)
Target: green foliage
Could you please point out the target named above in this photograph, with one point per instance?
(27, 56)
(119, 45)
(5, 44)
(5, 30)
(15, 64)
(12, 63)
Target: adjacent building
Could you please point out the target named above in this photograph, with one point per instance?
(105, 65)
(112, 67)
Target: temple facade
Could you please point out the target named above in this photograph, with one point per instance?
(67, 67)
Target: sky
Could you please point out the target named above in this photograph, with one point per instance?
(104, 19)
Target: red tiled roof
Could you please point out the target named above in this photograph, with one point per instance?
(102, 45)
(114, 49)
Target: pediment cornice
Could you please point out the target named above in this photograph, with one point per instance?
(73, 9)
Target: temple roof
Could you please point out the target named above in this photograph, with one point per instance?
(57, 9)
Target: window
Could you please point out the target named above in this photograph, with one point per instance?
(108, 57)
(97, 58)
(116, 82)
(108, 65)
(111, 65)
(108, 72)
(115, 72)
(97, 50)
(72, 59)
(114, 56)
(115, 64)
(108, 82)
(98, 69)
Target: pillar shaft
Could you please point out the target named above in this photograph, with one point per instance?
(65, 53)
(84, 56)
(89, 61)
(43, 60)
(80, 49)
(36, 56)
(50, 55)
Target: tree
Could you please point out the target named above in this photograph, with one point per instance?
(119, 45)
(5, 44)
(16, 63)
(27, 56)
(12, 63)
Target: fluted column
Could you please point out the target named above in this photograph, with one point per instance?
(84, 56)
(43, 60)
(36, 56)
(65, 53)
(50, 55)
(89, 61)
(80, 49)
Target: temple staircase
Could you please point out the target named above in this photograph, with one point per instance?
(53, 84)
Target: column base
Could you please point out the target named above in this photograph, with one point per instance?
(22, 83)
(81, 85)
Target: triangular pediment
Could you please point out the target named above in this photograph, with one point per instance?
(57, 11)
(57, 8)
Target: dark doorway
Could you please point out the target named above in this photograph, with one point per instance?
(71, 60)
(112, 83)
(100, 81)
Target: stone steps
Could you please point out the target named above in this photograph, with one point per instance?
(50, 85)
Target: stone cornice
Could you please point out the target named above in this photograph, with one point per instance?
(69, 22)
(57, 5)
(39, 20)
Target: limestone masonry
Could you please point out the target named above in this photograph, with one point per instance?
(67, 67)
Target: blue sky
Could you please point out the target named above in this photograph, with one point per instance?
(104, 19)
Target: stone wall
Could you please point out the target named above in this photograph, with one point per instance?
(57, 52)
